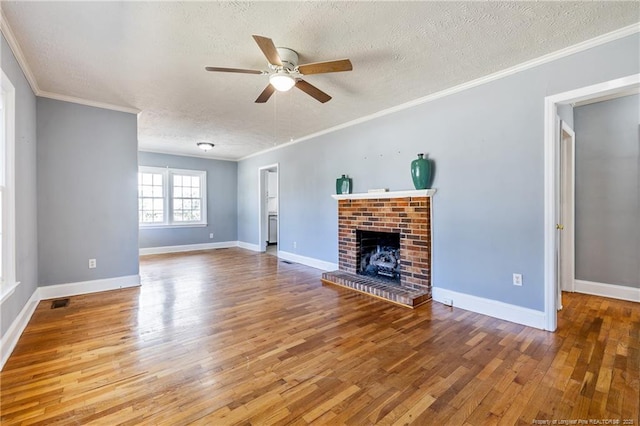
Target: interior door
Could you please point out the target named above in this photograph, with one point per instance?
(565, 210)
(567, 204)
(558, 214)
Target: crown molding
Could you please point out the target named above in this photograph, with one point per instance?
(17, 52)
(9, 35)
(558, 54)
(87, 102)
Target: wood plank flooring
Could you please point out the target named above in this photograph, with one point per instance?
(235, 337)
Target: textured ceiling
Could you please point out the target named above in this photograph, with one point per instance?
(151, 56)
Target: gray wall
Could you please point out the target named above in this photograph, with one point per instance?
(608, 192)
(487, 144)
(222, 206)
(87, 192)
(26, 200)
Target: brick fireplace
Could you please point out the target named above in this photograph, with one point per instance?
(406, 213)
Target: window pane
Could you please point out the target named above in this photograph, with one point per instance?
(185, 190)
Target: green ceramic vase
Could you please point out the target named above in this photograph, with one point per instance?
(343, 185)
(421, 172)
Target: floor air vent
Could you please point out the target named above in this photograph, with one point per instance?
(60, 303)
(287, 262)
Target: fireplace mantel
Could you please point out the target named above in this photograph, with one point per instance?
(388, 194)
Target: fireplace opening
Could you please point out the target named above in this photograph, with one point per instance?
(379, 255)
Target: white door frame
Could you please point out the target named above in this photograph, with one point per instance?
(263, 214)
(550, 158)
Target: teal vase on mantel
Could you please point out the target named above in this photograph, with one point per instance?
(421, 172)
(343, 185)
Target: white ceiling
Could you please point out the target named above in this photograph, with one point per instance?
(150, 56)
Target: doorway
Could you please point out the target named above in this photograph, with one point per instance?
(555, 177)
(269, 208)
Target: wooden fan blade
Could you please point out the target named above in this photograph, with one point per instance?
(238, 70)
(313, 91)
(322, 67)
(266, 94)
(269, 49)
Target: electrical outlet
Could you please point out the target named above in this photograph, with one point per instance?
(92, 263)
(517, 279)
(211, 235)
(295, 244)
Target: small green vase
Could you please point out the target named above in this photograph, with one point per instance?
(343, 185)
(421, 172)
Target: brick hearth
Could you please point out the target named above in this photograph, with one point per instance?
(410, 216)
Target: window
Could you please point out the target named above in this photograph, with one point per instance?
(171, 197)
(7, 194)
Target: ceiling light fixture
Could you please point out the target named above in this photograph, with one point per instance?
(205, 146)
(282, 81)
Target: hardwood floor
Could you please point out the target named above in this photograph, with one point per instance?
(235, 337)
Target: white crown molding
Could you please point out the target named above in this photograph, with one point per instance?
(492, 308)
(10, 338)
(87, 102)
(17, 52)
(9, 35)
(608, 290)
(558, 54)
(188, 247)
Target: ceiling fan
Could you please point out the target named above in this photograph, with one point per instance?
(284, 71)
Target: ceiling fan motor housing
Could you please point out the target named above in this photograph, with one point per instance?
(288, 57)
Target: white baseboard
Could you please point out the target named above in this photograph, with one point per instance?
(11, 337)
(249, 246)
(188, 247)
(308, 261)
(85, 287)
(608, 290)
(492, 308)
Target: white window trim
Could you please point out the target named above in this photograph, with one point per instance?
(168, 173)
(9, 282)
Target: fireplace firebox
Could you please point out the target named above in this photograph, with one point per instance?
(379, 255)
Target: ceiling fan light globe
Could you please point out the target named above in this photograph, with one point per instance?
(205, 146)
(282, 82)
